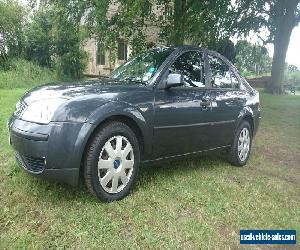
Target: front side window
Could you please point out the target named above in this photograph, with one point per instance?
(220, 73)
(122, 50)
(142, 67)
(191, 66)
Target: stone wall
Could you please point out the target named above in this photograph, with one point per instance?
(90, 46)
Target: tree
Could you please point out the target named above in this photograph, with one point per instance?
(278, 17)
(180, 21)
(284, 16)
(292, 68)
(70, 58)
(252, 59)
(201, 23)
(12, 16)
(39, 38)
(126, 21)
(226, 48)
(55, 36)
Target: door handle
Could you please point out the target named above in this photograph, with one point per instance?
(205, 104)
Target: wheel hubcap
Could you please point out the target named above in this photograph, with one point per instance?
(115, 165)
(244, 144)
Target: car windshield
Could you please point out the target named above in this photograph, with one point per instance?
(142, 68)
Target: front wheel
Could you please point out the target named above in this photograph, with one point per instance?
(240, 150)
(111, 162)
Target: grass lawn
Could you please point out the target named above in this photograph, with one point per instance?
(197, 203)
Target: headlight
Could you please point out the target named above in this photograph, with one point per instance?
(20, 108)
(42, 111)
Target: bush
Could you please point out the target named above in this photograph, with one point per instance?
(293, 78)
(20, 73)
(71, 65)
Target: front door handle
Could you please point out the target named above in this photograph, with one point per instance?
(205, 104)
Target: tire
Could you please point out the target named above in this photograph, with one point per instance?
(236, 157)
(115, 149)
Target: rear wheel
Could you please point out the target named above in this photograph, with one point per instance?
(240, 150)
(111, 162)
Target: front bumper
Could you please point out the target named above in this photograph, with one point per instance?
(51, 151)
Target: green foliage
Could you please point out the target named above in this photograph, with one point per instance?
(206, 21)
(275, 19)
(39, 38)
(25, 74)
(292, 78)
(269, 15)
(71, 64)
(292, 68)
(252, 59)
(70, 58)
(12, 17)
(226, 48)
(203, 23)
(180, 21)
(127, 21)
(55, 38)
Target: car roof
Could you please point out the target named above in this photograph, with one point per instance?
(187, 47)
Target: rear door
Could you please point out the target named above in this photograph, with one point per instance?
(227, 100)
(181, 123)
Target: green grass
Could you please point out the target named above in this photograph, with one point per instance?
(197, 203)
(25, 74)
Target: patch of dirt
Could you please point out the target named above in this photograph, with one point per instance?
(287, 178)
(188, 212)
(284, 161)
(280, 155)
(228, 232)
(280, 158)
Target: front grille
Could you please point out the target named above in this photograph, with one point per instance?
(32, 164)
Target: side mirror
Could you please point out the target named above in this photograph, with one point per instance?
(174, 80)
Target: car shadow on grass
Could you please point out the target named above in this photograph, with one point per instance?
(149, 175)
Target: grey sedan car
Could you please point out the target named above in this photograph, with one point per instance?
(160, 105)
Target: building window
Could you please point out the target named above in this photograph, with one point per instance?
(100, 54)
(122, 51)
(168, 12)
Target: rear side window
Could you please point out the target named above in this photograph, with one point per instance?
(191, 66)
(221, 75)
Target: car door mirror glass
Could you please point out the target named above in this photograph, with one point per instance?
(174, 80)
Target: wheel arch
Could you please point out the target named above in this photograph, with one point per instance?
(249, 119)
(129, 121)
(122, 112)
(246, 115)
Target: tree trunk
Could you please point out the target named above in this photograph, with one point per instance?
(278, 64)
(284, 26)
(179, 21)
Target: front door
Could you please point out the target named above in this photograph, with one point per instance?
(181, 123)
